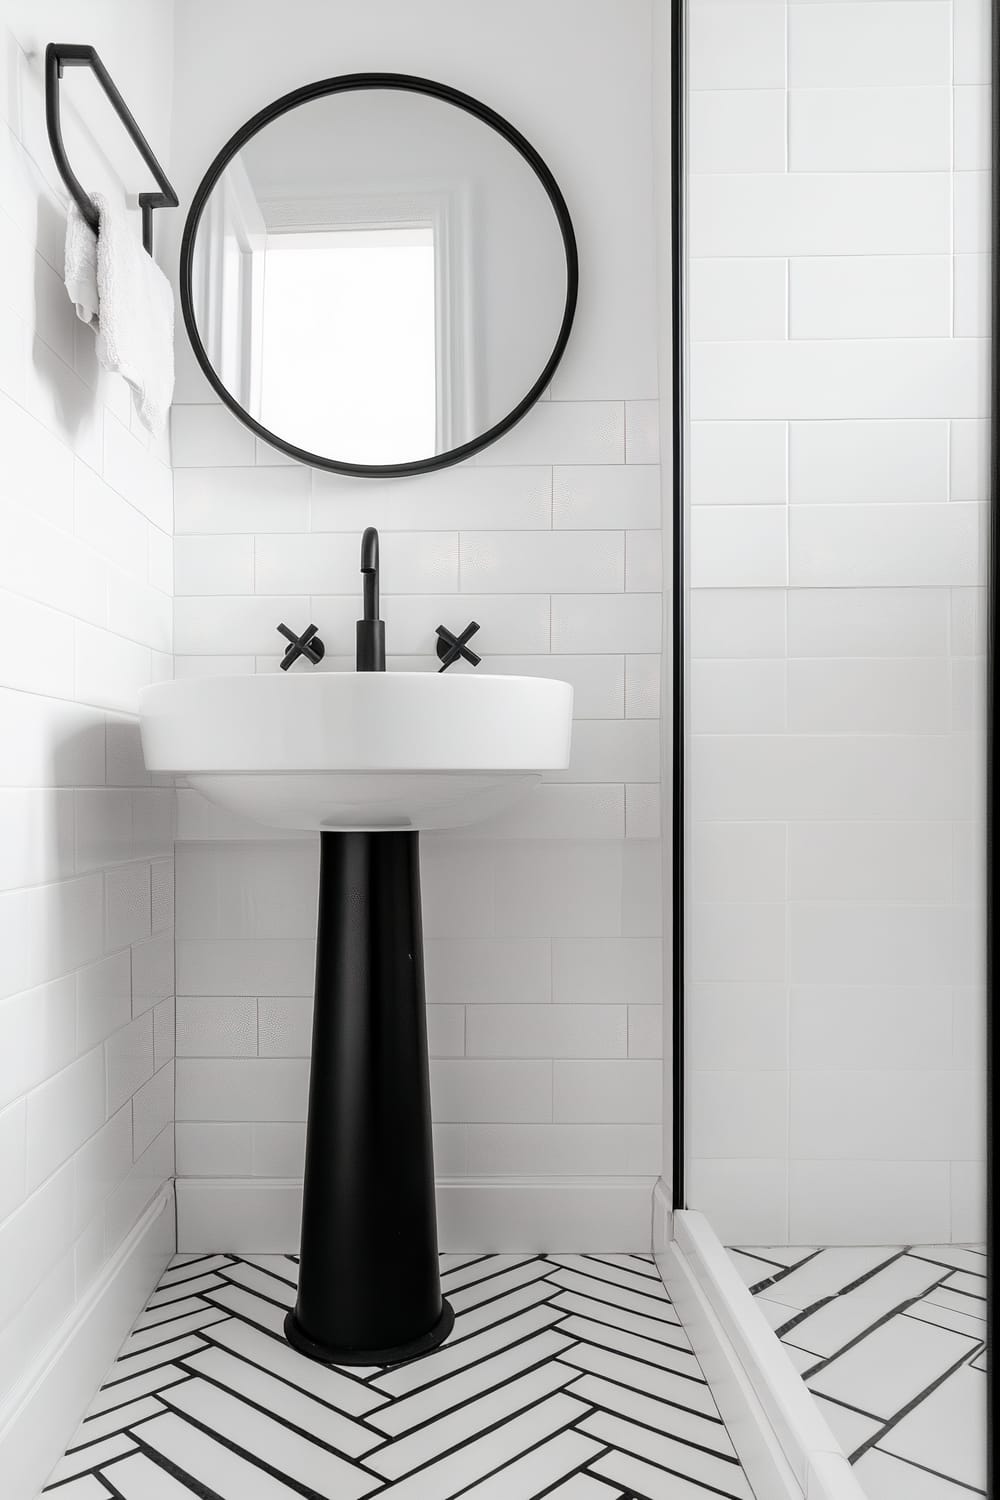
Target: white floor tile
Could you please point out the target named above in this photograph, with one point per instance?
(947, 1430)
(892, 1366)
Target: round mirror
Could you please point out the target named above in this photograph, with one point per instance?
(378, 274)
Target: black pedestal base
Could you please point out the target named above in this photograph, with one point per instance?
(369, 1284)
(394, 1356)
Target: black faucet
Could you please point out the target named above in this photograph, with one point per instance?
(371, 630)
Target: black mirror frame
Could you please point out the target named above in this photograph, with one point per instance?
(348, 83)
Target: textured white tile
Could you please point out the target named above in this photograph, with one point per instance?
(867, 1202)
(208, 435)
(737, 942)
(412, 562)
(867, 622)
(883, 545)
(734, 623)
(737, 861)
(851, 378)
(556, 562)
(869, 297)
(642, 687)
(241, 1089)
(745, 1200)
(878, 697)
(972, 129)
(128, 905)
(737, 299)
(596, 622)
(216, 1026)
(569, 890)
(607, 1090)
(240, 500)
(736, 46)
(12, 1157)
(588, 971)
(62, 1114)
(476, 1089)
(643, 562)
(448, 500)
(855, 944)
(869, 861)
(971, 41)
(737, 696)
(742, 546)
(972, 296)
(563, 432)
(546, 1031)
(103, 999)
(642, 432)
(510, 623)
(134, 472)
(736, 130)
(828, 213)
(969, 460)
(868, 42)
(737, 463)
(610, 497)
(893, 1116)
(739, 1114)
(613, 750)
(972, 215)
(870, 129)
(213, 564)
(738, 1026)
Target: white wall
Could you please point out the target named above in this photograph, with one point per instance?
(838, 231)
(86, 842)
(543, 929)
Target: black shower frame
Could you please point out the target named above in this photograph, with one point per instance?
(406, 83)
(678, 10)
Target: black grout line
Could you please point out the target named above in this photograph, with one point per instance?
(217, 1437)
(949, 1478)
(912, 1405)
(659, 1431)
(859, 1338)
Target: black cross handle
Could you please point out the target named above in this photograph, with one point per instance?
(451, 648)
(308, 644)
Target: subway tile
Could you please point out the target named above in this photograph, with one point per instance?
(851, 378)
(736, 46)
(152, 1109)
(248, 890)
(849, 943)
(213, 564)
(103, 827)
(63, 1114)
(642, 687)
(216, 1026)
(164, 1032)
(643, 562)
(244, 1088)
(132, 470)
(36, 836)
(412, 562)
(511, 624)
(546, 1031)
(735, 623)
(972, 295)
(446, 1031)
(737, 696)
(457, 890)
(735, 942)
(971, 41)
(152, 971)
(737, 463)
(613, 750)
(739, 1114)
(487, 971)
(536, 562)
(476, 1089)
(48, 930)
(970, 453)
(867, 622)
(869, 778)
(972, 212)
(103, 999)
(567, 890)
(601, 622)
(870, 129)
(602, 971)
(37, 1036)
(587, 810)
(598, 682)
(128, 905)
(738, 1026)
(739, 546)
(868, 42)
(109, 670)
(868, 461)
(208, 435)
(972, 129)
(51, 635)
(642, 432)
(517, 496)
(643, 811)
(562, 432)
(214, 1149)
(642, 889)
(870, 297)
(868, 696)
(737, 299)
(128, 1060)
(867, 1026)
(284, 1025)
(606, 496)
(240, 499)
(884, 545)
(63, 403)
(12, 1158)
(740, 862)
(278, 1149)
(107, 522)
(893, 1116)
(562, 1150)
(645, 1031)
(38, 468)
(139, 613)
(233, 623)
(869, 861)
(736, 130)
(835, 213)
(620, 1092)
(746, 1200)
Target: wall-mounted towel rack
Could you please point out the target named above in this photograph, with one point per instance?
(60, 55)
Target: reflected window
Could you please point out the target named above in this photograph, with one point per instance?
(345, 313)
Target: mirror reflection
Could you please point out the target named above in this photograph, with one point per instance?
(378, 277)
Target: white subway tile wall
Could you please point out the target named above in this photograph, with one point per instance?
(86, 840)
(838, 258)
(542, 928)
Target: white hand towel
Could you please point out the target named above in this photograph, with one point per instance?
(116, 285)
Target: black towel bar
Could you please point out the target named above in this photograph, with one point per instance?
(60, 55)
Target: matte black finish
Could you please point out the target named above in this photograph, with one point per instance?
(678, 643)
(371, 630)
(369, 1286)
(308, 644)
(60, 55)
(452, 648)
(346, 83)
(993, 582)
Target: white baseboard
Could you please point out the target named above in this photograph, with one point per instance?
(787, 1449)
(42, 1412)
(261, 1216)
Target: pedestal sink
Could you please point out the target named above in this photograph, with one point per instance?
(368, 760)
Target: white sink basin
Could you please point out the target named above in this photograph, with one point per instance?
(358, 750)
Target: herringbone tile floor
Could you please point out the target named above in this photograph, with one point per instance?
(567, 1376)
